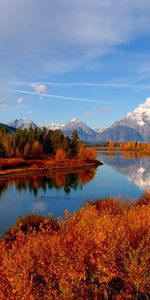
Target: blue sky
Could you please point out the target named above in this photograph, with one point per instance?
(64, 59)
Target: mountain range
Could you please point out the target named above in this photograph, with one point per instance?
(134, 127)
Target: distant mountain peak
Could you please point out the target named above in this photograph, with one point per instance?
(74, 120)
(140, 114)
(138, 119)
(22, 123)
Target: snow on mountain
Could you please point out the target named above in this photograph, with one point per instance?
(141, 115)
(139, 119)
(85, 132)
(99, 130)
(52, 126)
(22, 124)
(134, 127)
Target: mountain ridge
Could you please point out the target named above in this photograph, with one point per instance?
(139, 119)
(134, 127)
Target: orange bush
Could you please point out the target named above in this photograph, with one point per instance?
(100, 252)
(87, 153)
(60, 155)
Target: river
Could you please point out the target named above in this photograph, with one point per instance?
(122, 176)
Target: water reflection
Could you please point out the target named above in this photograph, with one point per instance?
(65, 181)
(131, 164)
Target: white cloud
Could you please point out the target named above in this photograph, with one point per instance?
(29, 112)
(40, 88)
(20, 100)
(64, 34)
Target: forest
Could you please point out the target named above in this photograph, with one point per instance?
(42, 149)
(35, 143)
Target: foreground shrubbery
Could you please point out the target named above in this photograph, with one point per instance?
(100, 252)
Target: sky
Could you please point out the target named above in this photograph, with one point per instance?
(64, 59)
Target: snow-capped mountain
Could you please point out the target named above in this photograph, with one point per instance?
(139, 119)
(99, 130)
(22, 124)
(54, 126)
(85, 132)
(120, 133)
(134, 127)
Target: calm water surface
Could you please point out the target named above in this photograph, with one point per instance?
(121, 176)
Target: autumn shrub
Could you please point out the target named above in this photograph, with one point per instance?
(100, 252)
(60, 155)
(144, 200)
(30, 224)
(87, 153)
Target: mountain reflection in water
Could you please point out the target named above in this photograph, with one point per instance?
(130, 164)
(67, 181)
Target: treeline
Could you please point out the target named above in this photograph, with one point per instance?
(125, 146)
(100, 252)
(135, 146)
(35, 143)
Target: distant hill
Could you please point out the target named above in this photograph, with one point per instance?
(8, 128)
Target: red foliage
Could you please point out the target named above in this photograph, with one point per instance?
(100, 252)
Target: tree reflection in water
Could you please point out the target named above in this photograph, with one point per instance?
(59, 180)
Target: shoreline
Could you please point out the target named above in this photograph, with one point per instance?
(135, 151)
(68, 166)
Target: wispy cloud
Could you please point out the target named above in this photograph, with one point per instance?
(20, 100)
(29, 112)
(43, 87)
(59, 97)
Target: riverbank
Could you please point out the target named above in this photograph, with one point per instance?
(13, 167)
(125, 152)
